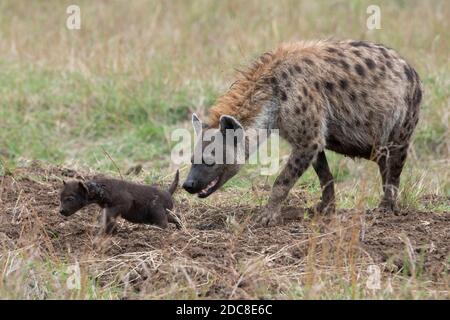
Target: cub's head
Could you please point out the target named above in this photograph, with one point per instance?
(217, 155)
(73, 197)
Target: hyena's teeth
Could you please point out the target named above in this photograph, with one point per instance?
(209, 186)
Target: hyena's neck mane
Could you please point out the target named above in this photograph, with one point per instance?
(242, 99)
(253, 87)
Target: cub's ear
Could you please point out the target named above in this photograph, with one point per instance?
(83, 187)
(197, 124)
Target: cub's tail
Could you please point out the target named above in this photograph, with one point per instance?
(174, 184)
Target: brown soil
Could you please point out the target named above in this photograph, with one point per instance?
(216, 252)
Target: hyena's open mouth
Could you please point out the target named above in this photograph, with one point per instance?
(210, 188)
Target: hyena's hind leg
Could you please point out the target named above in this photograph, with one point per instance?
(391, 164)
(391, 169)
(298, 162)
(327, 202)
(399, 143)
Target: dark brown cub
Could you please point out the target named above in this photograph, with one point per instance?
(134, 202)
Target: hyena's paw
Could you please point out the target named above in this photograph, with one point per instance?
(387, 207)
(269, 218)
(325, 208)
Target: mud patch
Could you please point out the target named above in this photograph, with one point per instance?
(219, 253)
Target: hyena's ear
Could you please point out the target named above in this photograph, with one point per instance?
(83, 187)
(197, 123)
(230, 123)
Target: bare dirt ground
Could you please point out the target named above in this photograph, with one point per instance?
(220, 253)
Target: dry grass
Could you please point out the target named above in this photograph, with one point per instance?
(219, 253)
(133, 73)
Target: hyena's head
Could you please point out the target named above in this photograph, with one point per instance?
(73, 197)
(218, 155)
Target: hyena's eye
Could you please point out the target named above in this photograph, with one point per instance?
(69, 199)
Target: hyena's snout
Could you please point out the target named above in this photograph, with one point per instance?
(191, 186)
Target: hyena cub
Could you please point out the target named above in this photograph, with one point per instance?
(356, 98)
(134, 202)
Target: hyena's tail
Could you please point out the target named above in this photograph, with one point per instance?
(174, 184)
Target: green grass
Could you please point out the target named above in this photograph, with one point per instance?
(136, 71)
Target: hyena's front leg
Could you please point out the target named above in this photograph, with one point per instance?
(298, 162)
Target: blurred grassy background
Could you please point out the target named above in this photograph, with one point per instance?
(137, 69)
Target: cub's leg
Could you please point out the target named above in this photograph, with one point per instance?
(172, 218)
(109, 218)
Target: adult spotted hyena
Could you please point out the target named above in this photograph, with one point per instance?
(356, 98)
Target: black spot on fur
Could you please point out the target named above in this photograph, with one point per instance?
(304, 108)
(285, 181)
(408, 73)
(417, 96)
(360, 70)
(360, 44)
(315, 146)
(343, 84)
(288, 84)
(317, 85)
(416, 76)
(389, 64)
(356, 53)
(352, 96)
(330, 49)
(369, 63)
(274, 81)
(284, 75)
(298, 69)
(305, 91)
(384, 52)
(331, 60)
(276, 90)
(329, 86)
(283, 95)
(344, 64)
(308, 61)
(297, 110)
